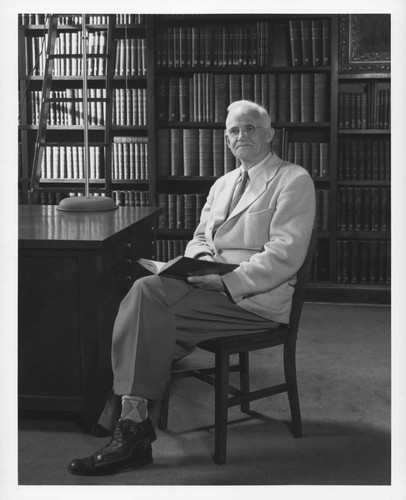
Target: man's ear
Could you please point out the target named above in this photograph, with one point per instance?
(270, 134)
(227, 139)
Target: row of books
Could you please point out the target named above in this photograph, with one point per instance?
(35, 57)
(203, 152)
(168, 249)
(319, 270)
(129, 107)
(51, 197)
(70, 42)
(313, 156)
(67, 162)
(204, 97)
(76, 20)
(180, 211)
(322, 209)
(130, 18)
(364, 262)
(73, 66)
(359, 110)
(214, 46)
(364, 209)
(193, 152)
(130, 158)
(309, 42)
(131, 57)
(130, 198)
(364, 160)
(65, 111)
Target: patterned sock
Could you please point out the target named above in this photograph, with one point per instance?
(134, 408)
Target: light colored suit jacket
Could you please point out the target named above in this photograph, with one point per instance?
(267, 233)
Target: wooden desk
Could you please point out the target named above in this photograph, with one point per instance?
(74, 269)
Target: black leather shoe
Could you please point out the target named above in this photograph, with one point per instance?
(130, 446)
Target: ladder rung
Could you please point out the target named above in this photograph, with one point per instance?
(71, 180)
(95, 143)
(67, 188)
(76, 99)
(95, 128)
(78, 56)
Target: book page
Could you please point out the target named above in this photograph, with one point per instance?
(153, 266)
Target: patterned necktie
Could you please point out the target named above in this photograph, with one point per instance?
(239, 191)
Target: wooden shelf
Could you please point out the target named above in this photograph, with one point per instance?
(364, 132)
(364, 76)
(365, 235)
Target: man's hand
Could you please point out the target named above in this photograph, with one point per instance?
(208, 281)
(206, 257)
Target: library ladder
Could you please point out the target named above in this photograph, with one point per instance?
(40, 142)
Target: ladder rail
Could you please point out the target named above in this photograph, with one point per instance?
(42, 126)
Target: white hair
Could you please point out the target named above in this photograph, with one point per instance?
(245, 105)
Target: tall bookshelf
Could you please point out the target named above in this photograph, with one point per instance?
(171, 78)
(117, 107)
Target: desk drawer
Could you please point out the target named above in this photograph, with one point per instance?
(119, 261)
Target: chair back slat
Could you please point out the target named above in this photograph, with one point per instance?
(300, 287)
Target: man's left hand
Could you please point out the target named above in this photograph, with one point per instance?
(208, 281)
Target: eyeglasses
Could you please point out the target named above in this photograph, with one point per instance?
(248, 130)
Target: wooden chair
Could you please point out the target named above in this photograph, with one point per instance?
(223, 347)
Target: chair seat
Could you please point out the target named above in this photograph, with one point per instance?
(248, 341)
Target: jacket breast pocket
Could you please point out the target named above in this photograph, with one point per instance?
(256, 228)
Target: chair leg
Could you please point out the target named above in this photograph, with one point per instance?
(221, 407)
(163, 417)
(289, 360)
(244, 378)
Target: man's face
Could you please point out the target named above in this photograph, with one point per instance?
(250, 149)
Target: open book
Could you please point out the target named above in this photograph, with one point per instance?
(182, 267)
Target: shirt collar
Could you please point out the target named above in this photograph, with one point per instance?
(254, 170)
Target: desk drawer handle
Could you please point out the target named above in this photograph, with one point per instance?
(129, 244)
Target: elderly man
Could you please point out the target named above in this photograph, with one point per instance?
(259, 216)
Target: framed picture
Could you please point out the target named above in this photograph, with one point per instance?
(364, 43)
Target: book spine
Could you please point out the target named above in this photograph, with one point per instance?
(319, 100)
(218, 153)
(295, 43)
(306, 38)
(307, 95)
(296, 100)
(176, 152)
(164, 151)
(283, 98)
(190, 152)
(317, 42)
(205, 148)
(326, 42)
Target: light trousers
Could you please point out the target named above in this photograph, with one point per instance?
(161, 320)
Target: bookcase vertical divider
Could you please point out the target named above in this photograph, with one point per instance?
(333, 215)
(151, 110)
(108, 133)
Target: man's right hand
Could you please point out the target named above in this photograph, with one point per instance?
(206, 257)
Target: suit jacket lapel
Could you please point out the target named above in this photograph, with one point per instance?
(223, 202)
(258, 185)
